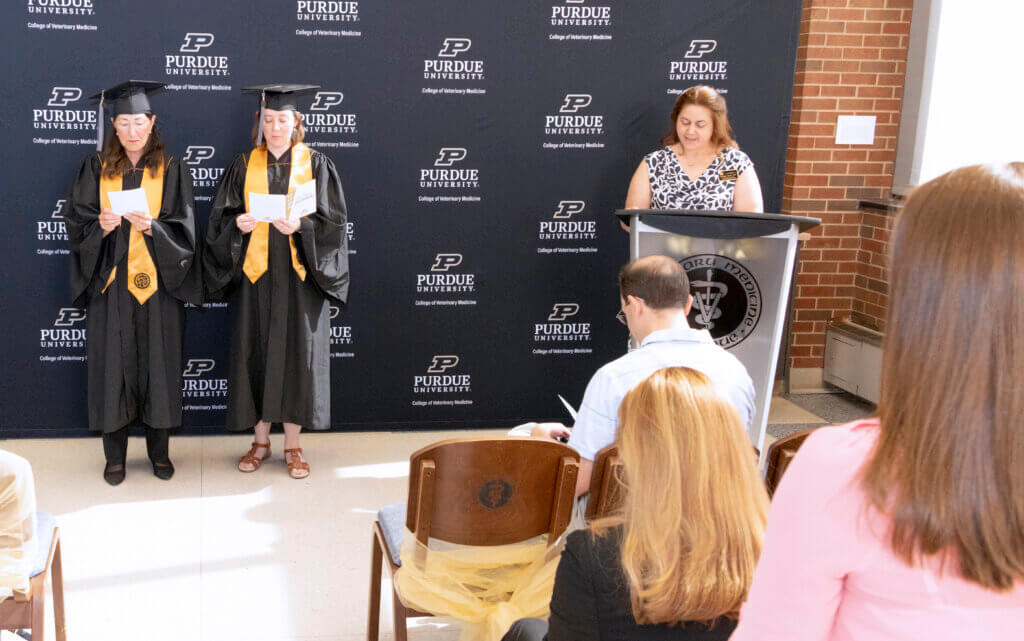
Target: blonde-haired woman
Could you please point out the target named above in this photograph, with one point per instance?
(677, 561)
(911, 525)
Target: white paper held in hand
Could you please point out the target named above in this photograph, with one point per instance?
(122, 202)
(302, 201)
(266, 208)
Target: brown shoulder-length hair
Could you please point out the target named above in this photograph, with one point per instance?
(694, 510)
(705, 96)
(298, 134)
(116, 161)
(949, 463)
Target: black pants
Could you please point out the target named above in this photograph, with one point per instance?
(115, 445)
(527, 630)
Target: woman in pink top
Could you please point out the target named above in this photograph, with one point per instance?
(911, 525)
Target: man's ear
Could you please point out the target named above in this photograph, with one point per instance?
(689, 304)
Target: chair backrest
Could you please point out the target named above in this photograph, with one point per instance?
(491, 490)
(780, 454)
(606, 491)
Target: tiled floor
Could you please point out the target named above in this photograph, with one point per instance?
(219, 555)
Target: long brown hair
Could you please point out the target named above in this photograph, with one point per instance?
(695, 507)
(298, 134)
(704, 96)
(116, 161)
(949, 463)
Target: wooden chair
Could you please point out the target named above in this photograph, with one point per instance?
(780, 455)
(606, 491)
(28, 612)
(473, 491)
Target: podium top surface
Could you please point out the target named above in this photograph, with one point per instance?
(717, 224)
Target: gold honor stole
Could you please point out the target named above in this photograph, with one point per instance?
(141, 268)
(256, 254)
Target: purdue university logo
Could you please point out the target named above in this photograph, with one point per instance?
(694, 67)
(726, 298)
(201, 389)
(190, 59)
(440, 364)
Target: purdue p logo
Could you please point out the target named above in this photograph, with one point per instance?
(62, 96)
(454, 46)
(700, 47)
(441, 364)
(443, 262)
(198, 366)
(324, 100)
(562, 311)
(68, 316)
(574, 102)
(58, 208)
(196, 41)
(195, 154)
(448, 156)
(566, 208)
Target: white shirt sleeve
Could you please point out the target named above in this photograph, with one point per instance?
(598, 418)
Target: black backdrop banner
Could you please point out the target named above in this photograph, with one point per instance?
(483, 147)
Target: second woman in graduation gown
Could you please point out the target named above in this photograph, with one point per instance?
(133, 275)
(279, 278)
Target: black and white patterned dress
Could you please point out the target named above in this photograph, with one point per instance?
(671, 188)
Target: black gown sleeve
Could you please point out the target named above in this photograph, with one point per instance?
(221, 256)
(176, 240)
(91, 252)
(323, 238)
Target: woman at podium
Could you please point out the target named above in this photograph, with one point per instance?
(700, 166)
(277, 251)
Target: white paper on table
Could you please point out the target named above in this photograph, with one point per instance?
(122, 202)
(302, 201)
(266, 208)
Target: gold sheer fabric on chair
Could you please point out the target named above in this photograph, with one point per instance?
(17, 525)
(487, 588)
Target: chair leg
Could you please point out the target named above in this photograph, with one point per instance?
(400, 615)
(57, 574)
(376, 570)
(39, 608)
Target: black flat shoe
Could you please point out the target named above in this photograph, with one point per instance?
(164, 470)
(113, 474)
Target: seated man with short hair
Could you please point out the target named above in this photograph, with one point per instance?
(655, 296)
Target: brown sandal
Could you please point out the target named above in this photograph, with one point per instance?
(251, 458)
(297, 468)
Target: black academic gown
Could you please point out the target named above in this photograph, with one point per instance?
(280, 365)
(134, 350)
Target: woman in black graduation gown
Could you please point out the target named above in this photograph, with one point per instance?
(279, 278)
(134, 274)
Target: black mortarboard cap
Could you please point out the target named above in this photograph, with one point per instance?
(280, 96)
(130, 97)
(126, 98)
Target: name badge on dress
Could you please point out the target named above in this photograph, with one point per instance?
(728, 174)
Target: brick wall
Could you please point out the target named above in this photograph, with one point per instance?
(851, 60)
(871, 283)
